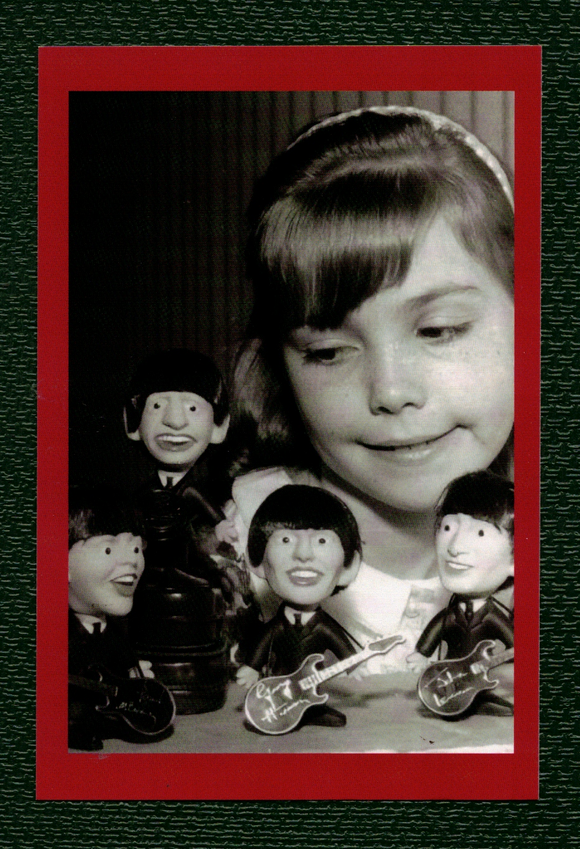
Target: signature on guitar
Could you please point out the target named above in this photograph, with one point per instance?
(276, 705)
(448, 687)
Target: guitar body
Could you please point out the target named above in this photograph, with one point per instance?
(144, 704)
(276, 705)
(448, 687)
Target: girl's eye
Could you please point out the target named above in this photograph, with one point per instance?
(444, 333)
(328, 356)
(108, 550)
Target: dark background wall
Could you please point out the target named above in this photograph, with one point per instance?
(159, 185)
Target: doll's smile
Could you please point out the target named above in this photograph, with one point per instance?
(172, 442)
(304, 577)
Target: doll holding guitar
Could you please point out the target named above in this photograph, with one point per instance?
(306, 544)
(108, 689)
(475, 557)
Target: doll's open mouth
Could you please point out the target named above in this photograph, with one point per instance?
(125, 584)
(456, 566)
(304, 577)
(171, 442)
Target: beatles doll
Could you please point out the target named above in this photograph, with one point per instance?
(176, 408)
(475, 558)
(305, 543)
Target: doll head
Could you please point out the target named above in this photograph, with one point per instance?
(382, 242)
(305, 542)
(105, 559)
(475, 535)
(177, 405)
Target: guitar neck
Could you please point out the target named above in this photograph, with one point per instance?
(92, 686)
(324, 674)
(498, 659)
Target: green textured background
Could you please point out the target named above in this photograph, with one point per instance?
(25, 25)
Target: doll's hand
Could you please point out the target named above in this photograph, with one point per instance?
(145, 667)
(417, 662)
(246, 676)
(225, 531)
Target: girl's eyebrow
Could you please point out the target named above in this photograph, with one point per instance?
(443, 291)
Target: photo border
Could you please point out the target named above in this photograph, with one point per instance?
(64, 775)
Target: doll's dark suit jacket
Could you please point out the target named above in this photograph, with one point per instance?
(493, 621)
(282, 647)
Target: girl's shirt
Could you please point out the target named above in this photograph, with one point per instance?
(373, 605)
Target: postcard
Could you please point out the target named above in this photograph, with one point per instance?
(223, 199)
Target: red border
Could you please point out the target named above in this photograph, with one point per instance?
(61, 775)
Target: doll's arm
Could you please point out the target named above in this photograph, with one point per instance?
(427, 642)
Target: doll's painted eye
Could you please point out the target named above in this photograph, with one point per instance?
(285, 539)
(137, 550)
(193, 408)
(481, 533)
(447, 528)
(108, 550)
(156, 405)
(322, 540)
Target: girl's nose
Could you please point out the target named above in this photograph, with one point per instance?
(395, 381)
(174, 415)
(303, 547)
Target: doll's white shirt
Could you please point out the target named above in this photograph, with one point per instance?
(374, 604)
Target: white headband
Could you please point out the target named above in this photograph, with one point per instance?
(437, 122)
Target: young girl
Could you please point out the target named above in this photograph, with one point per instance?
(379, 360)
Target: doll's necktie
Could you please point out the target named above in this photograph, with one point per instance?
(298, 620)
(468, 609)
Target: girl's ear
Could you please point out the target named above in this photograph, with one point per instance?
(349, 573)
(134, 435)
(218, 433)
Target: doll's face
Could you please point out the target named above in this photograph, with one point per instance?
(304, 566)
(474, 557)
(103, 572)
(177, 427)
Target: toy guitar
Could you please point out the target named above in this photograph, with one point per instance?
(448, 687)
(276, 705)
(144, 704)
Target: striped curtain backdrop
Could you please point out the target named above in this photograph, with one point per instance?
(159, 186)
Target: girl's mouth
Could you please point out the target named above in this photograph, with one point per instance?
(304, 577)
(410, 450)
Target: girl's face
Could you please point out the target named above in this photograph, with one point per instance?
(415, 388)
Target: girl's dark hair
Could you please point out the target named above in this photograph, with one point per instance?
(483, 495)
(299, 507)
(335, 219)
(101, 511)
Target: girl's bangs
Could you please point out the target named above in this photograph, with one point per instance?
(328, 251)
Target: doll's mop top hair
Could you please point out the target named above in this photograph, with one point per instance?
(101, 511)
(177, 370)
(482, 495)
(300, 507)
